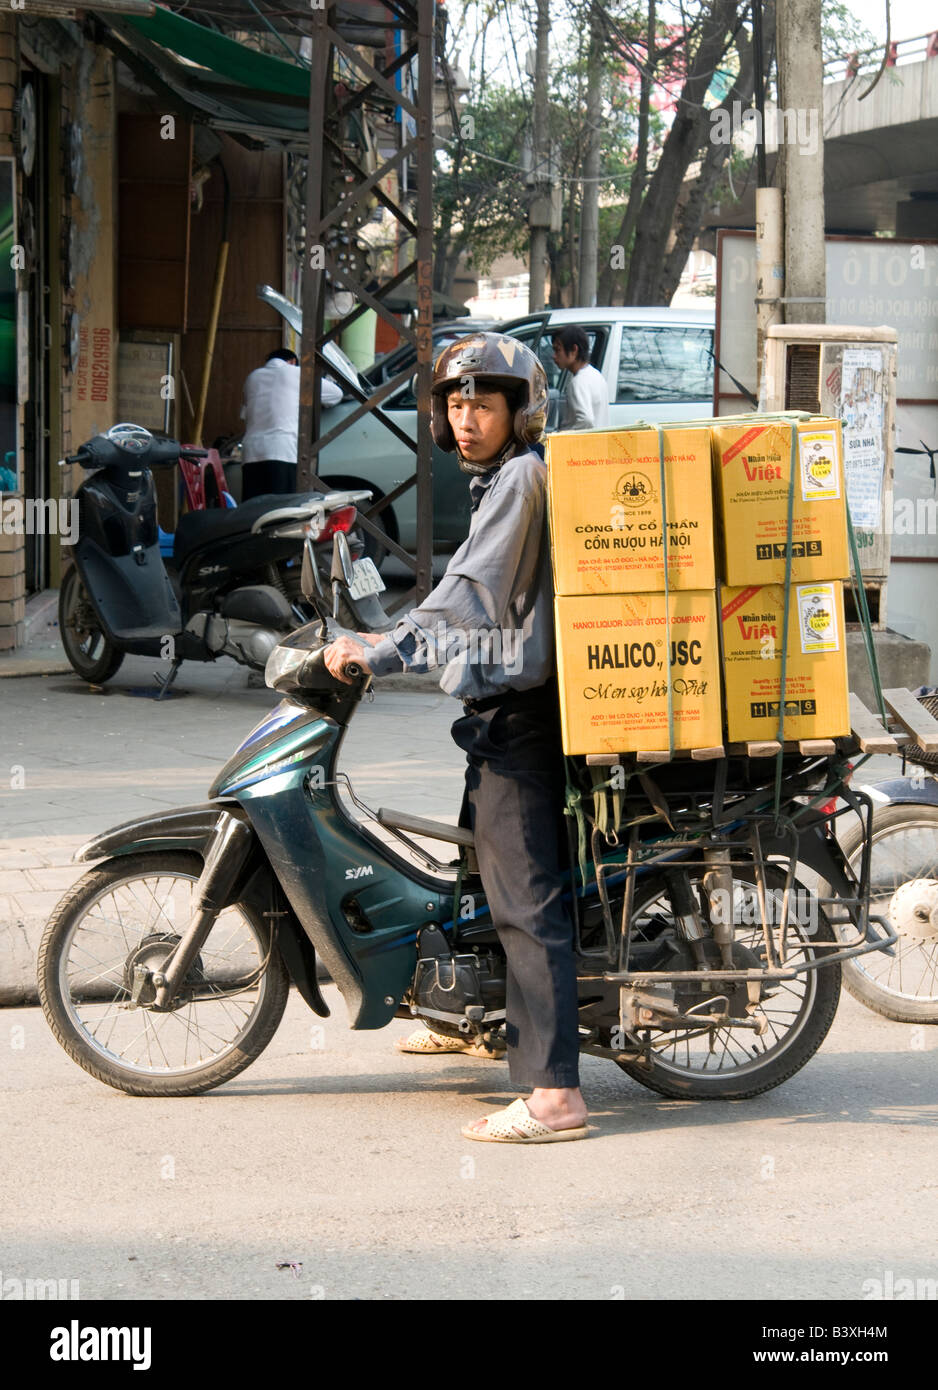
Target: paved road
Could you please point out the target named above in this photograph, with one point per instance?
(347, 1159)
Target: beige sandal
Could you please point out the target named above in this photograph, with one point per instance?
(433, 1043)
(516, 1125)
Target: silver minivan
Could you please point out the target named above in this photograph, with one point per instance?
(657, 364)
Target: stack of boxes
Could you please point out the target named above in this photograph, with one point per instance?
(752, 469)
(621, 642)
(619, 645)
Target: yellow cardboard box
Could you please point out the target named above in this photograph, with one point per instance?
(605, 511)
(752, 466)
(816, 689)
(615, 656)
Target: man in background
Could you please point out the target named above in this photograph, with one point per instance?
(271, 414)
(586, 399)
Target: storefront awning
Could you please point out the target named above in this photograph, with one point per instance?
(234, 88)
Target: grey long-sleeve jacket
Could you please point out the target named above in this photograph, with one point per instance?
(489, 621)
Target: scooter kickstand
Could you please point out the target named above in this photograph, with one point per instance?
(164, 682)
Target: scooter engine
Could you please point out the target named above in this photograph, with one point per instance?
(457, 994)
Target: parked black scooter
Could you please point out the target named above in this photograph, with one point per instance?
(221, 594)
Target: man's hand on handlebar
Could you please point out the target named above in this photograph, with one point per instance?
(346, 650)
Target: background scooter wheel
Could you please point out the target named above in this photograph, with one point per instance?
(89, 652)
(903, 986)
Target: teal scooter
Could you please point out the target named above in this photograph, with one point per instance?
(165, 970)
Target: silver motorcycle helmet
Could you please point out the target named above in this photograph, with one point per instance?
(501, 363)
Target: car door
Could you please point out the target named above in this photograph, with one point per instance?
(664, 372)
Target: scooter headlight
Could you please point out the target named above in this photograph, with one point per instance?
(282, 667)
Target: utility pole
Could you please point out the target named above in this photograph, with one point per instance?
(589, 202)
(801, 157)
(539, 210)
(770, 240)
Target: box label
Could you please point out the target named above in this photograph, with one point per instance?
(817, 458)
(817, 614)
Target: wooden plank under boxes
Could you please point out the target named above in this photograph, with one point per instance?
(615, 656)
(817, 701)
(605, 511)
(752, 467)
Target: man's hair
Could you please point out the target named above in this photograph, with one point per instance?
(572, 337)
(282, 354)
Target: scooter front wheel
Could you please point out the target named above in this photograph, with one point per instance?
(90, 654)
(130, 912)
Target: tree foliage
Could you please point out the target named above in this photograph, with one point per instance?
(659, 169)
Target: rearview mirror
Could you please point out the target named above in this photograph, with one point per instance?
(310, 583)
(341, 572)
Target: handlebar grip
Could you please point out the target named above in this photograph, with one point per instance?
(353, 669)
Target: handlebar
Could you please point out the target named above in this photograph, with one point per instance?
(314, 673)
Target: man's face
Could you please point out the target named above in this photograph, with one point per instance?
(563, 358)
(481, 423)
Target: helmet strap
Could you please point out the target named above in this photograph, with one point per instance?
(477, 469)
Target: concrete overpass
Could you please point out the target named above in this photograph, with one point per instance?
(880, 150)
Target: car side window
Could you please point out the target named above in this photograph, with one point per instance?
(664, 364)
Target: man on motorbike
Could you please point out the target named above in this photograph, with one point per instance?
(494, 603)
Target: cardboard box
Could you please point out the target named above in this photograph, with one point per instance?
(816, 689)
(752, 467)
(615, 655)
(605, 511)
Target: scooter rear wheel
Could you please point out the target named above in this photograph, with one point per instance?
(128, 912)
(730, 1063)
(90, 654)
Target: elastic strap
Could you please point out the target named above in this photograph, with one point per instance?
(789, 547)
(859, 596)
(667, 592)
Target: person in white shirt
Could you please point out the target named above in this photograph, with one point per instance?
(586, 399)
(271, 412)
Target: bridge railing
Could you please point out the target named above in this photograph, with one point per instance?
(901, 52)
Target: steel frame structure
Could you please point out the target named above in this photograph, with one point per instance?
(329, 103)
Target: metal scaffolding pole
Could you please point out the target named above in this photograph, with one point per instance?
(330, 215)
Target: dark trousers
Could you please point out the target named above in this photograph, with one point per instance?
(267, 475)
(513, 803)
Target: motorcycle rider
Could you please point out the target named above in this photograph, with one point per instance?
(489, 405)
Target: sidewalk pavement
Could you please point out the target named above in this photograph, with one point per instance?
(77, 760)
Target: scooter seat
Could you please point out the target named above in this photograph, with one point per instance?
(198, 528)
